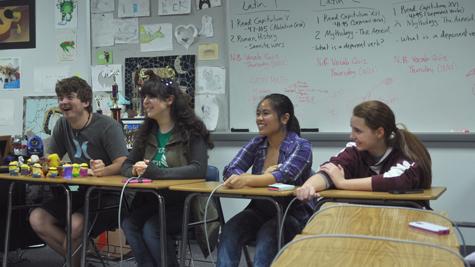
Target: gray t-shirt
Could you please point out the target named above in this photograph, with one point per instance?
(102, 139)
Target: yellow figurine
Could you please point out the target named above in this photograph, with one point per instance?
(52, 172)
(76, 168)
(24, 169)
(53, 160)
(37, 170)
(13, 168)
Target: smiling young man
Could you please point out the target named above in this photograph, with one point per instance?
(86, 138)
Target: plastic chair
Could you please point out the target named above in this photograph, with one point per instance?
(212, 175)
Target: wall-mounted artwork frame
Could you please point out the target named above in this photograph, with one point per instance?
(17, 30)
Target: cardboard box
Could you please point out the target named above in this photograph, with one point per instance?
(108, 245)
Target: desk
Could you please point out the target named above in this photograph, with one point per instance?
(207, 187)
(114, 183)
(391, 222)
(379, 198)
(28, 179)
(341, 250)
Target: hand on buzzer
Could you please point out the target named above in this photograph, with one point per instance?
(236, 181)
(140, 167)
(97, 167)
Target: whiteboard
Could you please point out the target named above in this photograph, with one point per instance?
(329, 55)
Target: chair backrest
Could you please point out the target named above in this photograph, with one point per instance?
(212, 174)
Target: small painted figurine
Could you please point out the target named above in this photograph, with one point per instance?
(13, 168)
(83, 170)
(25, 169)
(67, 171)
(53, 160)
(37, 171)
(76, 168)
(53, 172)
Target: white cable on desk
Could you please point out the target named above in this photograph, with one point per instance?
(283, 217)
(119, 215)
(206, 218)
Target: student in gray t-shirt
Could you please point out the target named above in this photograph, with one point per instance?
(86, 138)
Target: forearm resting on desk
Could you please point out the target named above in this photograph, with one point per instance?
(314, 184)
(358, 184)
(252, 180)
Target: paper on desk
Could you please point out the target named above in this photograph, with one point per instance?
(471, 258)
(206, 107)
(45, 78)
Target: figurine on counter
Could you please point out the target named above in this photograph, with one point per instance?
(37, 171)
(13, 168)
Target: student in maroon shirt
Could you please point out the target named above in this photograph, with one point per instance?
(382, 157)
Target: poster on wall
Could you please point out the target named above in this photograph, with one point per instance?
(66, 14)
(133, 8)
(66, 45)
(156, 37)
(104, 76)
(17, 24)
(174, 7)
(102, 6)
(202, 4)
(10, 73)
(40, 114)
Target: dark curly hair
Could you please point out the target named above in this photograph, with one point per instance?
(187, 124)
(74, 84)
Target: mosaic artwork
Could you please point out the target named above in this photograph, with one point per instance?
(180, 68)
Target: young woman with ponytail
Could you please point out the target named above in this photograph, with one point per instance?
(382, 157)
(277, 155)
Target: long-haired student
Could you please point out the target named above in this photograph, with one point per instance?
(382, 157)
(278, 154)
(172, 143)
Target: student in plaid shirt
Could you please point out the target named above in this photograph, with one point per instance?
(277, 155)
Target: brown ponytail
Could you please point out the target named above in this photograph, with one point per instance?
(377, 114)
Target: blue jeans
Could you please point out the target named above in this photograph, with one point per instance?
(251, 224)
(142, 230)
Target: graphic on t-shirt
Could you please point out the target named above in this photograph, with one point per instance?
(162, 163)
(81, 148)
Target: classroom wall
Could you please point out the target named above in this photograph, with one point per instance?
(40, 58)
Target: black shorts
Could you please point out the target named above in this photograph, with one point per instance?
(104, 220)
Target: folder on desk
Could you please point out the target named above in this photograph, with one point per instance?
(280, 187)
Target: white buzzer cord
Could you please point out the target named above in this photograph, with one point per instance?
(206, 218)
(119, 215)
(285, 215)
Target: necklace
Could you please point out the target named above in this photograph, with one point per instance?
(77, 132)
